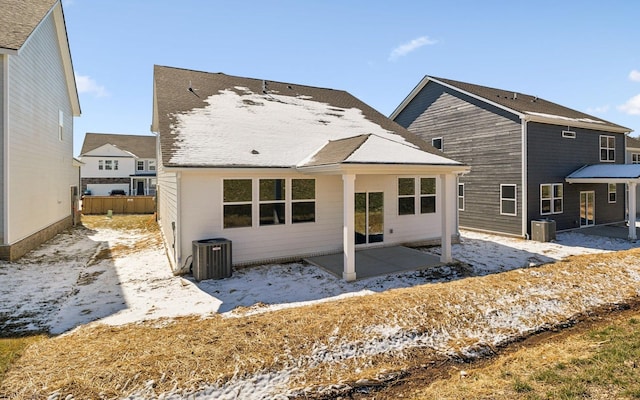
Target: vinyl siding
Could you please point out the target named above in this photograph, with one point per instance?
(167, 210)
(202, 217)
(551, 158)
(486, 138)
(3, 96)
(40, 165)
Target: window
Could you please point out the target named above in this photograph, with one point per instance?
(406, 196)
(101, 164)
(551, 198)
(237, 203)
(152, 165)
(635, 158)
(508, 200)
(108, 165)
(115, 165)
(437, 143)
(461, 196)
(303, 200)
(607, 148)
(612, 192)
(272, 201)
(427, 195)
(569, 134)
(60, 124)
(139, 165)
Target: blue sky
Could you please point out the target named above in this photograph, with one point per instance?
(581, 54)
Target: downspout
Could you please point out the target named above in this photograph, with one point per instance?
(524, 202)
(178, 247)
(5, 148)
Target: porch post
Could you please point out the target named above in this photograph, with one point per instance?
(348, 227)
(445, 224)
(632, 210)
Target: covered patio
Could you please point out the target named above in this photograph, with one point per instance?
(378, 261)
(629, 174)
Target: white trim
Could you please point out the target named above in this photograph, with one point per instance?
(441, 148)
(463, 197)
(5, 140)
(600, 148)
(348, 227)
(586, 208)
(552, 199)
(445, 227)
(609, 192)
(569, 134)
(525, 181)
(515, 198)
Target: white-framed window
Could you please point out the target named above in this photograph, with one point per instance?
(569, 134)
(108, 165)
(613, 192)
(152, 165)
(139, 165)
(551, 198)
(409, 194)
(272, 201)
(237, 203)
(508, 200)
(303, 200)
(460, 196)
(100, 165)
(437, 143)
(60, 124)
(635, 158)
(607, 148)
(115, 165)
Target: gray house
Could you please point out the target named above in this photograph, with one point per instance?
(521, 149)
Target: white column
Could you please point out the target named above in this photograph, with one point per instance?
(444, 204)
(348, 227)
(632, 210)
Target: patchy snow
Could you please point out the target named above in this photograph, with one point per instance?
(69, 282)
(252, 129)
(589, 120)
(377, 150)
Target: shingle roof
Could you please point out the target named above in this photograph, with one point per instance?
(18, 19)
(230, 121)
(141, 146)
(633, 142)
(521, 103)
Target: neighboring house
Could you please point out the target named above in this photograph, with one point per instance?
(286, 171)
(521, 149)
(38, 100)
(120, 163)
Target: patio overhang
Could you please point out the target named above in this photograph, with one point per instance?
(628, 174)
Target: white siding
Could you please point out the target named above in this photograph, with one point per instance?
(167, 211)
(40, 165)
(3, 97)
(126, 167)
(201, 217)
(100, 189)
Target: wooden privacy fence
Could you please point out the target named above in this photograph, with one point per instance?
(118, 204)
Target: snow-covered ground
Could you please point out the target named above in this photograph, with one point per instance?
(67, 283)
(114, 277)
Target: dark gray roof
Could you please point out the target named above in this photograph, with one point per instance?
(525, 103)
(172, 98)
(18, 19)
(336, 151)
(140, 145)
(633, 142)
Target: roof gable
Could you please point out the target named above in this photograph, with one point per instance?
(632, 143)
(140, 146)
(108, 150)
(216, 120)
(19, 18)
(525, 106)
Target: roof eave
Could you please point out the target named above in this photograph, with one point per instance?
(67, 62)
(383, 169)
(575, 124)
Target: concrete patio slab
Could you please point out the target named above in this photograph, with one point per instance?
(619, 231)
(378, 261)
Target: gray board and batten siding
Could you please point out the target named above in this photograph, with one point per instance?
(485, 137)
(552, 157)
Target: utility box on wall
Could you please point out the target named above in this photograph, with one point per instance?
(543, 230)
(211, 259)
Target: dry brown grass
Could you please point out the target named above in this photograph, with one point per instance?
(143, 223)
(188, 352)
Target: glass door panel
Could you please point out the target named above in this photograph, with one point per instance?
(361, 218)
(369, 217)
(587, 208)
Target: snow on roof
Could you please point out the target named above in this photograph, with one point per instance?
(587, 120)
(378, 149)
(250, 129)
(607, 171)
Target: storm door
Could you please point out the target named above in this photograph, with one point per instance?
(587, 209)
(369, 217)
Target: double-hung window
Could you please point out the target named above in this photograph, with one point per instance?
(303, 200)
(551, 198)
(237, 203)
(461, 196)
(427, 195)
(607, 148)
(612, 192)
(139, 165)
(108, 165)
(407, 197)
(272, 201)
(101, 165)
(635, 158)
(508, 201)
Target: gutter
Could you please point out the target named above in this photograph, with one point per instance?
(525, 192)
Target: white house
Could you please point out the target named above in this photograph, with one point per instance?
(38, 100)
(287, 171)
(122, 163)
